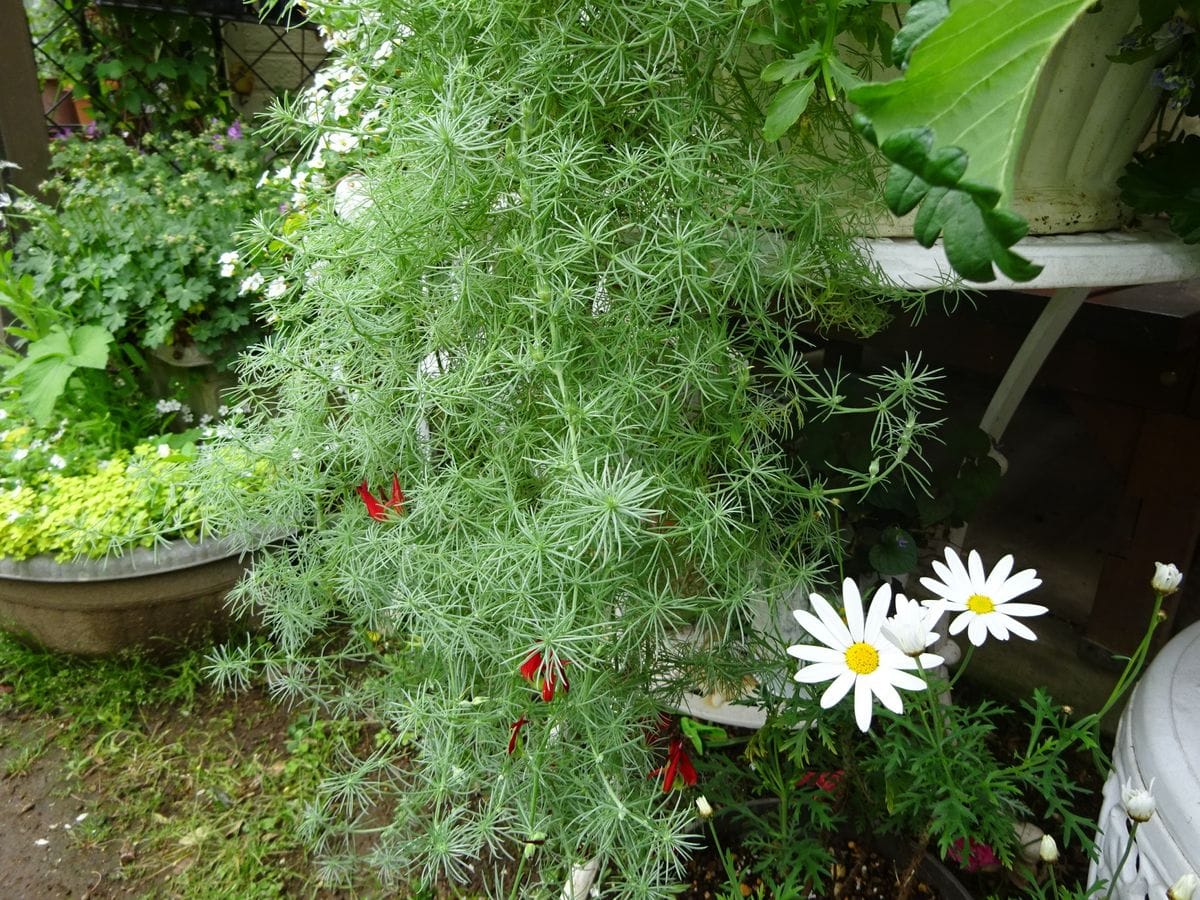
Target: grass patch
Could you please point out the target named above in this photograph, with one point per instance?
(191, 793)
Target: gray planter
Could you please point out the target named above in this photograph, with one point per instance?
(156, 599)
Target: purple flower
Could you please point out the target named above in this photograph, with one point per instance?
(234, 131)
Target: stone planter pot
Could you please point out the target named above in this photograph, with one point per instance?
(155, 599)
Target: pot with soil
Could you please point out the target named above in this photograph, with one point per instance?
(147, 598)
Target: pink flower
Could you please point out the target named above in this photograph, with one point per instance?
(981, 856)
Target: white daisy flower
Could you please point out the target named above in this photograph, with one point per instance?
(1167, 578)
(342, 141)
(911, 628)
(350, 197)
(1138, 802)
(856, 654)
(982, 599)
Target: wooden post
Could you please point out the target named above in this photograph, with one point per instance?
(24, 138)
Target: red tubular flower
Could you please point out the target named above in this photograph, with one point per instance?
(826, 781)
(678, 764)
(554, 678)
(379, 509)
(516, 730)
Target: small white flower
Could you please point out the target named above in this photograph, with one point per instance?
(276, 289)
(350, 197)
(1184, 887)
(404, 31)
(229, 258)
(297, 454)
(284, 174)
(856, 654)
(1138, 802)
(384, 51)
(342, 141)
(1167, 578)
(58, 462)
(1048, 850)
(227, 270)
(164, 450)
(911, 628)
(981, 599)
(41, 842)
(3, 414)
(251, 283)
(703, 807)
(20, 453)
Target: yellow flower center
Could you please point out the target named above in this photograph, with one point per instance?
(862, 658)
(979, 604)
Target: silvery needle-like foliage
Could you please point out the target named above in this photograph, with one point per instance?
(560, 303)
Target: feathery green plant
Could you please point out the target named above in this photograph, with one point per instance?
(560, 298)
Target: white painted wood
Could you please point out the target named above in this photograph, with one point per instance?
(1059, 311)
(1097, 259)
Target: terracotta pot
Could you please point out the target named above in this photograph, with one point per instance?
(157, 599)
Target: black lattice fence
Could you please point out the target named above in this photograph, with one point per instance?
(154, 65)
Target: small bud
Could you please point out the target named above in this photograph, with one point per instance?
(873, 468)
(1068, 710)
(1138, 802)
(1167, 578)
(1048, 851)
(703, 807)
(1184, 887)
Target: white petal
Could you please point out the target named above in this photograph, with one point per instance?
(975, 570)
(906, 681)
(998, 575)
(863, 700)
(977, 631)
(997, 625)
(1019, 629)
(961, 621)
(852, 604)
(937, 587)
(1021, 609)
(836, 691)
(816, 653)
(888, 695)
(816, 628)
(832, 621)
(822, 671)
(880, 605)
(955, 565)
(1021, 583)
(930, 661)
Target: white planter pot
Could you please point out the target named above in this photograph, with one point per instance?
(1088, 117)
(1158, 738)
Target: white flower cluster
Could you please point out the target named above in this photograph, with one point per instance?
(182, 410)
(875, 655)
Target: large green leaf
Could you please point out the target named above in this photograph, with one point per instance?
(968, 88)
(42, 375)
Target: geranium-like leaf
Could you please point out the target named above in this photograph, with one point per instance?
(1168, 181)
(786, 107)
(895, 554)
(922, 18)
(970, 83)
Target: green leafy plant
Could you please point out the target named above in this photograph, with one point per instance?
(133, 241)
(535, 363)
(140, 71)
(932, 771)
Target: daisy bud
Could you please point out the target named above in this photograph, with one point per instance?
(703, 807)
(1184, 887)
(1138, 802)
(1048, 851)
(1166, 578)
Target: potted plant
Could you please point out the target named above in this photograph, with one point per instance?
(538, 359)
(131, 255)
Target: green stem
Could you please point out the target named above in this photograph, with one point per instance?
(962, 666)
(1124, 856)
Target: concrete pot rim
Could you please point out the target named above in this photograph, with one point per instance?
(169, 557)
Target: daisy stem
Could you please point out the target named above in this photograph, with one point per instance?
(962, 666)
(935, 704)
(1116, 873)
(1133, 665)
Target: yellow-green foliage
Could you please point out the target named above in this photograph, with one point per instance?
(123, 502)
